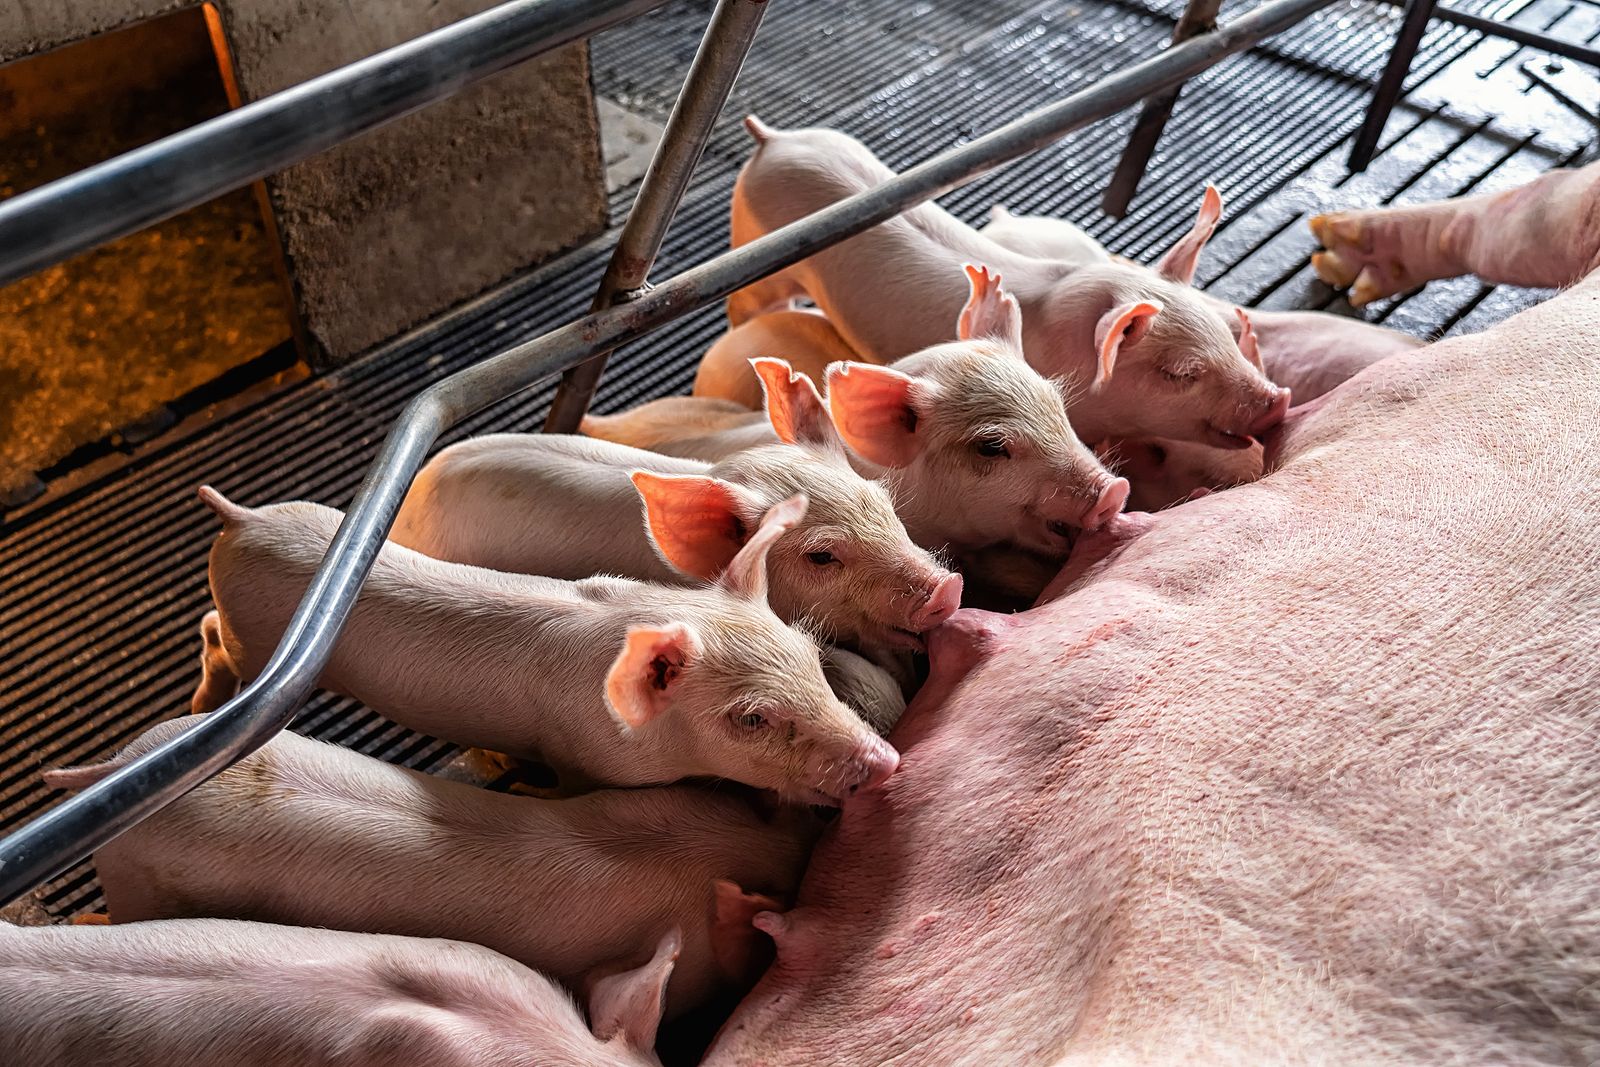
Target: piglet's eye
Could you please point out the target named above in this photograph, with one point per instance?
(822, 559)
(990, 446)
(1180, 377)
(751, 720)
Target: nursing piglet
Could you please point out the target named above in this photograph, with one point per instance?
(312, 834)
(1307, 352)
(209, 992)
(570, 507)
(974, 444)
(1144, 354)
(609, 681)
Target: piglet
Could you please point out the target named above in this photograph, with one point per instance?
(609, 681)
(213, 992)
(974, 443)
(1307, 352)
(1142, 352)
(570, 507)
(311, 834)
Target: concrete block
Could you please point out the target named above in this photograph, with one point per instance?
(389, 230)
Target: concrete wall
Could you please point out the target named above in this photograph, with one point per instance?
(394, 227)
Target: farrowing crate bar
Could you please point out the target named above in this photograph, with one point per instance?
(134, 190)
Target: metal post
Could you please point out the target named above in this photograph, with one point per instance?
(705, 90)
(83, 823)
(54, 222)
(1387, 94)
(1199, 16)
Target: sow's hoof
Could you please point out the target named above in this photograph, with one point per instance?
(1363, 253)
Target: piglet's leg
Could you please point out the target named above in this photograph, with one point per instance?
(1545, 233)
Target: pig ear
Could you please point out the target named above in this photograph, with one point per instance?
(746, 575)
(1124, 325)
(990, 311)
(1180, 262)
(733, 930)
(875, 410)
(1247, 340)
(794, 407)
(697, 524)
(645, 677)
(629, 1004)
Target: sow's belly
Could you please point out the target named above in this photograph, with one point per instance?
(1299, 772)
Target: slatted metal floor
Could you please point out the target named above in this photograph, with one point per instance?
(101, 589)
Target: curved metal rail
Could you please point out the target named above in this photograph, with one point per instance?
(84, 822)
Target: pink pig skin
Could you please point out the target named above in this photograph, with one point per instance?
(312, 834)
(1298, 773)
(213, 992)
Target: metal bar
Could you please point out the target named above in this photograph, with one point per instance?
(1530, 38)
(1392, 83)
(705, 90)
(1199, 16)
(54, 222)
(84, 822)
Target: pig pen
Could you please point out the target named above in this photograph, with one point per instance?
(103, 584)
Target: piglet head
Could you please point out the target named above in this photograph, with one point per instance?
(1166, 362)
(848, 565)
(980, 446)
(740, 692)
(1163, 472)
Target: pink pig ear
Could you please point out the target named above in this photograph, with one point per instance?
(875, 411)
(629, 1004)
(697, 523)
(990, 311)
(734, 941)
(1247, 340)
(1125, 325)
(794, 407)
(1179, 264)
(645, 676)
(747, 572)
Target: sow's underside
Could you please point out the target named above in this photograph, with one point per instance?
(1305, 771)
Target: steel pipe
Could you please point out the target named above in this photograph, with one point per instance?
(705, 90)
(84, 822)
(54, 222)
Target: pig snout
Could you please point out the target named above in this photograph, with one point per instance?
(848, 763)
(942, 602)
(872, 765)
(1088, 508)
(1277, 408)
(1112, 497)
